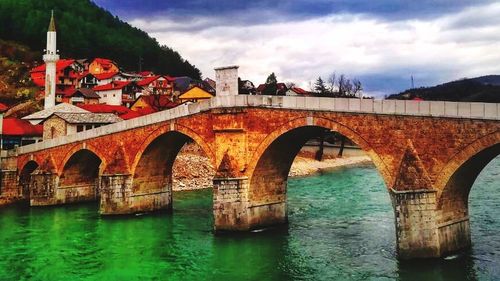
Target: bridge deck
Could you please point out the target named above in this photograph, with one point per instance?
(441, 109)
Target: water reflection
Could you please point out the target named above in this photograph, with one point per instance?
(459, 267)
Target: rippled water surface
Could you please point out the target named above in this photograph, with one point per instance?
(341, 228)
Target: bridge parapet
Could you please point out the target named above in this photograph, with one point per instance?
(440, 109)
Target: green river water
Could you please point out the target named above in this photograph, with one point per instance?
(341, 228)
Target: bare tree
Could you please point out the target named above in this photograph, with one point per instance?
(331, 82)
(357, 88)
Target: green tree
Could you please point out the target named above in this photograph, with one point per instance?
(87, 31)
(271, 85)
(320, 87)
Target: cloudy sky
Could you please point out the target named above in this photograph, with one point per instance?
(381, 42)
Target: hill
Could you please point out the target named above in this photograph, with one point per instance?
(479, 89)
(87, 31)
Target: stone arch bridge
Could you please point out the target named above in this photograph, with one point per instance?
(428, 153)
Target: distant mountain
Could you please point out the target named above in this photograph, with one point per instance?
(85, 30)
(479, 89)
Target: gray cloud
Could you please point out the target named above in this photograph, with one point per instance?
(382, 53)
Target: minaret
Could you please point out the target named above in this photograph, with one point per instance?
(50, 58)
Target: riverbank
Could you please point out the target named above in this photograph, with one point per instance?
(303, 166)
(192, 170)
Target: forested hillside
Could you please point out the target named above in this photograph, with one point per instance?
(87, 31)
(480, 89)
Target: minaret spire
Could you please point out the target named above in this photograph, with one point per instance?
(52, 24)
(50, 58)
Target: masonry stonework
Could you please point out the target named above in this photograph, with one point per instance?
(252, 148)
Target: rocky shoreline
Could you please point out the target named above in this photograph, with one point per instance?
(192, 170)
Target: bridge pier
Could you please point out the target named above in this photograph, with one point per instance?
(118, 197)
(419, 232)
(43, 188)
(234, 211)
(10, 191)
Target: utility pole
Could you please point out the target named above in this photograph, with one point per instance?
(412, 83)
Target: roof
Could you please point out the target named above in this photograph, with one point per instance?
(146, 73)
(87, 93)
(157, 102)
(60, 65)
(104, 62)
(149, 80)
(105, 108)
(3, 107)
(88, 118)
(195, 93)
(19, 127)
(299, 91)
(66, 92)
(115, 85)
(104, 76)
(62, 107)
(137, 113)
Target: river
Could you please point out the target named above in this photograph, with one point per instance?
(340, 228)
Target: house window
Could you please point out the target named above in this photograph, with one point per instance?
(105, 95)
(79, 128)
(88, 127)
(114, 95)
(52, 132)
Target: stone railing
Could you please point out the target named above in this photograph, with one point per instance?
(442, 109)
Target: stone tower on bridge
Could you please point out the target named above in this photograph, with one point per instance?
(50, 58)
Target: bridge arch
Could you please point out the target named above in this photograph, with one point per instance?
(79, 147)
(271, 163)
(153, 164)
(190, 134)
(319, 123)
(458, 176)
(79, 176)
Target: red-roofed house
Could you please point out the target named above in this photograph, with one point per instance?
(18, 132)
(89, 80)
(153, 103)
(100, 65)
(296, 91)
(117, 92)
(157, 85)
(145, 74)
(118, 110)
(67, 71)
(3, 107)
(280, 89)
(84, 96)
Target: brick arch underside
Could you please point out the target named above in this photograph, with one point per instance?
(153, 170)
(81, 170)
(454, 190)
(25, 175)
(274, 157)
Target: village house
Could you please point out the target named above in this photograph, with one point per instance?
(84, 96)
(195, 94)
(117, 92)
(62, 124)
(280, 89)
(246, 87)
(101, 65)
(121, 111)
(67, 73)
(152, 103)
(296, 91)
(157, 85)
(18, 132)
(38, 117)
